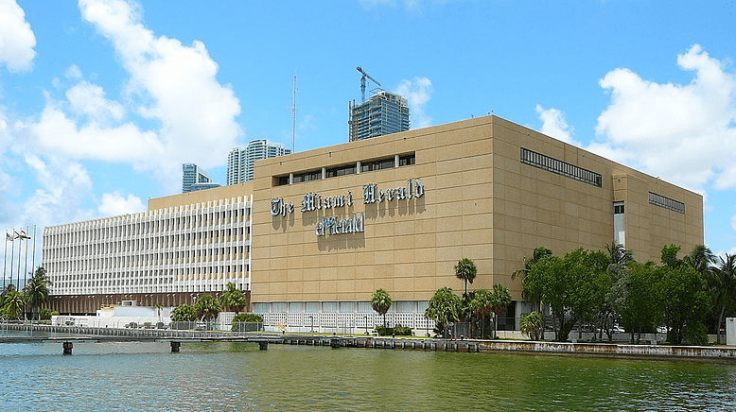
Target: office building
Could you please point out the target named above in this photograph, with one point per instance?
(193, 178)
(384, 113)
(241, 161)
(330, 226)
(167, 255)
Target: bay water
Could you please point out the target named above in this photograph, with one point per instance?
(239, 377)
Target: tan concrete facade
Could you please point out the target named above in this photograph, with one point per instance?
(467, 194)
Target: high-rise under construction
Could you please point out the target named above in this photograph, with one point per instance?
(384, 113)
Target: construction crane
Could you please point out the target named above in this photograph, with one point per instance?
(362, 81)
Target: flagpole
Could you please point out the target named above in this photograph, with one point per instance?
(20, 255)
(12, 256)
(33, 261)
(5, 259)
(25, 272)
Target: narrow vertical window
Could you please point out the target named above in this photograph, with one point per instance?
(619, 224)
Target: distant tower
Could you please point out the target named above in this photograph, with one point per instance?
(384, 113)
(193, 178)
(240, 161)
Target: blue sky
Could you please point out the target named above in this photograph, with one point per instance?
(102, 101)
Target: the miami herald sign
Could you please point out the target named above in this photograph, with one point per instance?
(331, 225)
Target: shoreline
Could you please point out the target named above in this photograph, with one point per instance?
(610, 350)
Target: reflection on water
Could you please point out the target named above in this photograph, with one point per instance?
(239, 377)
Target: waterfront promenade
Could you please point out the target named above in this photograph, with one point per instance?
(71, 334)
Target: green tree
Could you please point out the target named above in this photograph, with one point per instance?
(466, 270)
(233, 299)
(684, 298)
(36, 292)
(184, 313)
(207, 308)
(46, 313)
(618, 254)
(572, 286)
(444, 308)
(481, 304)
(539, 253)
(501, 302)
(241, 321)
(669, 256)
(609, 313)
(13, 304)
(532, 325)
(8, 288)
(685, 302)
(701, 259)
(641, 308)
(381, 303)
(723, 288)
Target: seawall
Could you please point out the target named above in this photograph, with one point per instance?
(720, 353)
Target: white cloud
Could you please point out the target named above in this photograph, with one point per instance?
(172, 90)
(555, 125)
(682, 133)
(171, 83)
(73, 72)
(16, 37)
(89, 99)
(57, 134)
(173, 110)
(62, 185)
(418, 93)
(115, 204)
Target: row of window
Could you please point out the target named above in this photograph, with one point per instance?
(153, 223)
(559, 167)
(349, 169)
(132, 247)
(409, 306)
(666, 202)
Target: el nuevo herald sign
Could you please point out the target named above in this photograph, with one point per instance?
(328, 226)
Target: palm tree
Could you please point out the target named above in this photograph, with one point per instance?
(233, 299)
(36, 291)
(618, 254)
(13, 304)
(207, 308)
(701, 258)
(381, 302)
(466, 270)
(444, 308)
(723, 286)
(482, 305)
(501, 302)
(539, 253)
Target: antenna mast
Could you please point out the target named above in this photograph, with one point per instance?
(293, 114)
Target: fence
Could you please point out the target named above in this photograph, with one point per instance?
(344, 323)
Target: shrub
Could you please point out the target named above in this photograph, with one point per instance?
(532, 325)
(383, 331)
(46, 313)
(396, 330)
(251, 321)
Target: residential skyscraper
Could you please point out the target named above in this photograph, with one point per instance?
(240, 160)
(193, 178)
(384, 113)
